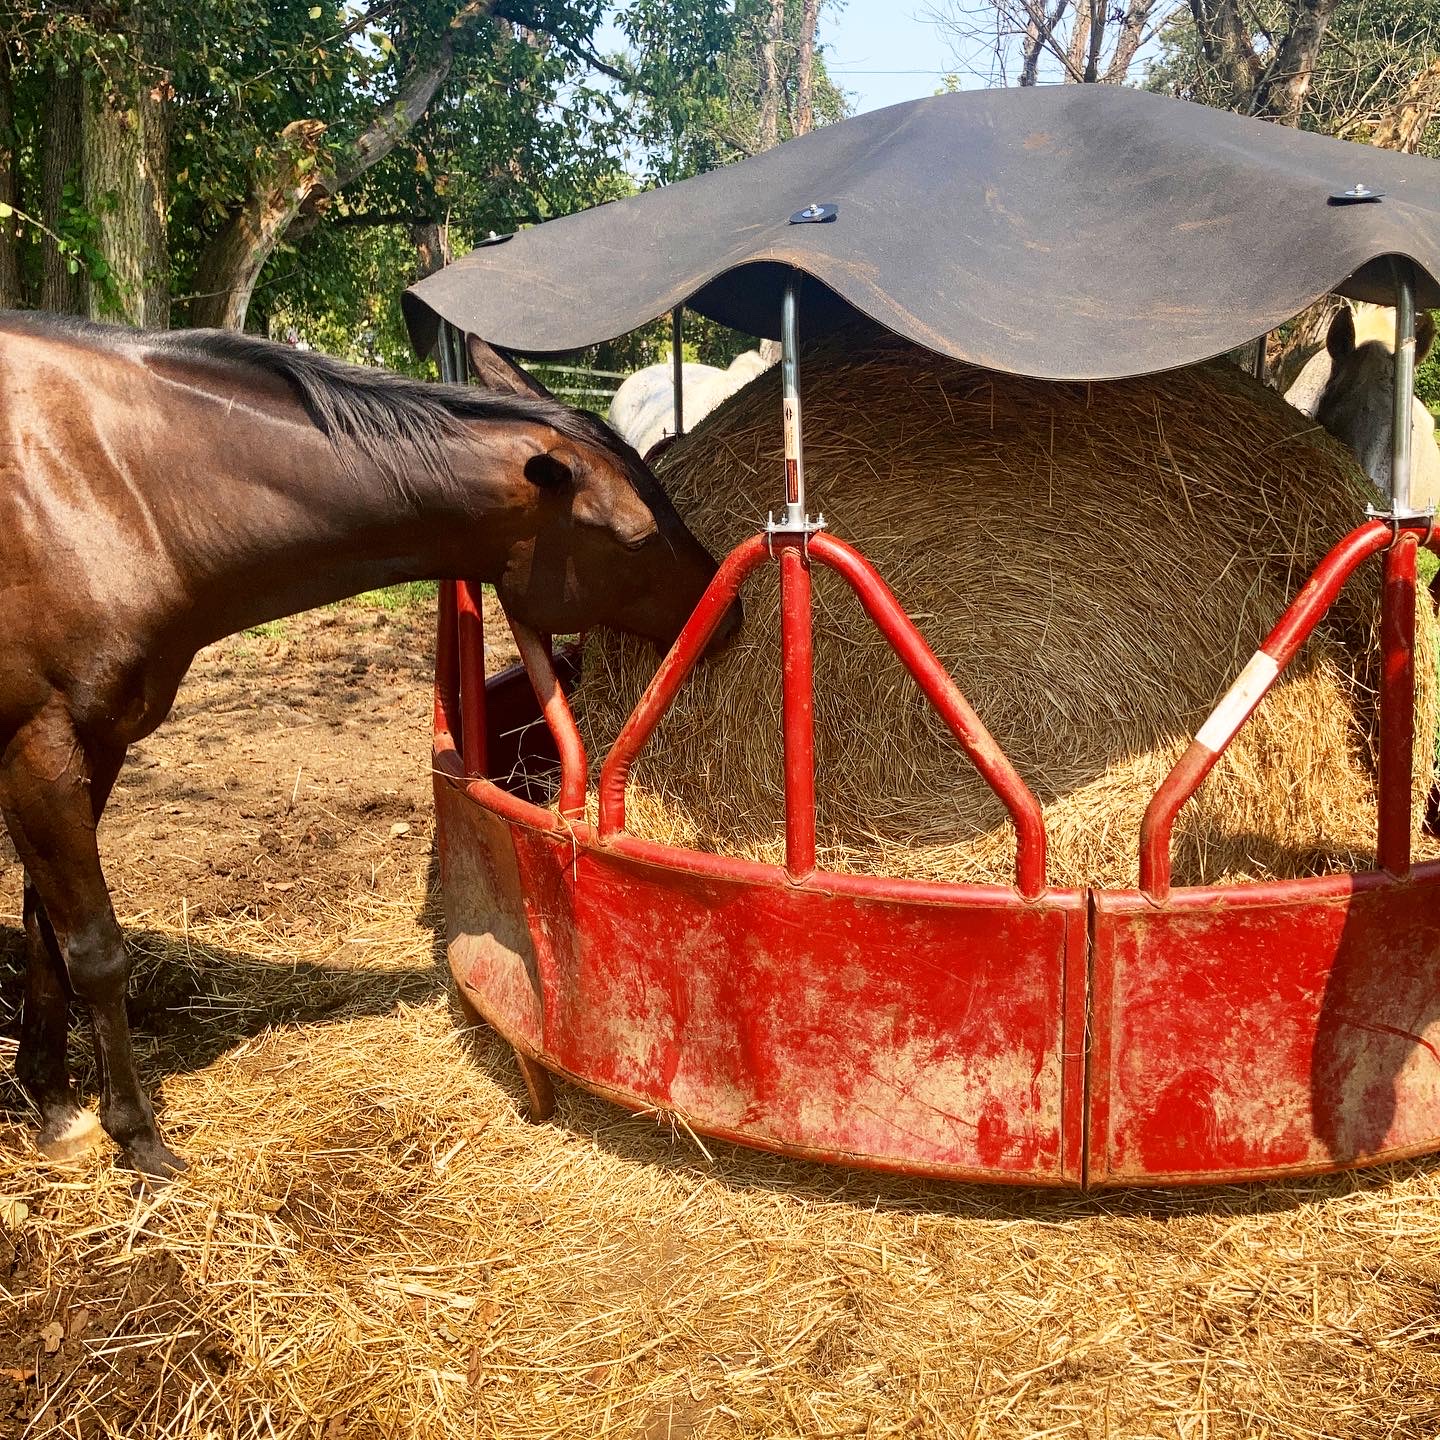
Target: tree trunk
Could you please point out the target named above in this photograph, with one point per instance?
(1281, 90)
(1097, 39)
(1132, 32)
(805, 68)
(10, 295)
(1404, 128)
(295, 179)
(769, 134)
(1225, 43)
(126, 154)
(432, 247)
(1040, 26)
(60, 291)
(231, 264)
(1079, 46)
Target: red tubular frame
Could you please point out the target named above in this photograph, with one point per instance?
(535, 654)
(470, 635)
(899, 631)
(964, 724)
(660, 694)
(1397, 705)
(797, 678)
(447, 659)
(1280, 647)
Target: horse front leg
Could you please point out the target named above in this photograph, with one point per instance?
(66, 1129)
(52, 791)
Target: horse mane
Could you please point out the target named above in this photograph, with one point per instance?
(392, 421)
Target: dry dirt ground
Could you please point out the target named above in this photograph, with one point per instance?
(287, 797)
(371, 1242)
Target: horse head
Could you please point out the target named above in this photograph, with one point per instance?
(1357, 402)
(598, 540)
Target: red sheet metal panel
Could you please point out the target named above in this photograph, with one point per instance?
(897, 1034)
(1265, 1030)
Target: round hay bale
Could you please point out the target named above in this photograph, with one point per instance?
(1092, 563)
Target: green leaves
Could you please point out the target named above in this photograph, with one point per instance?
(529, 122)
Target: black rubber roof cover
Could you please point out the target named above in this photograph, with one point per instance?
(1073, 232)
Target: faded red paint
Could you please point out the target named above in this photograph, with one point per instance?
(797, 708)
(1072, 1038)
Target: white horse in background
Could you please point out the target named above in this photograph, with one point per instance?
(643, 410)
(1349, 388)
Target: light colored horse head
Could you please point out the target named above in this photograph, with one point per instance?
(1356, 402)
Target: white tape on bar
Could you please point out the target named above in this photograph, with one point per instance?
(1239, 701)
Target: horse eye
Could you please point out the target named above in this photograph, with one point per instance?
(547, 471)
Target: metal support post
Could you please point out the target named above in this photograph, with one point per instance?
(1404, 401)
(450, 354)
(677, 365)
(795, 521)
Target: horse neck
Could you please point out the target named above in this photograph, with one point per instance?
(294, 527)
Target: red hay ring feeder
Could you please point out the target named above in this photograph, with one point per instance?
(1017, 1034)
(1011, 1033)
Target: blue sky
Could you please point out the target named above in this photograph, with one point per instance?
(881, 52)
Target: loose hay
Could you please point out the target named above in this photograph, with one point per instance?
(1093, 564)
(371, 1245)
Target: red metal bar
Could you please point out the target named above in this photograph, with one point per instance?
(797, 681)
(1397, 705)
(535, 653)
(684, 654)
(919, 659)
(907, 642)
(447, 664)
(470, 634)
(1280, 647)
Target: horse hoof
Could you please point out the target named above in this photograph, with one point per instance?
(155, 1160)
(71, 1139)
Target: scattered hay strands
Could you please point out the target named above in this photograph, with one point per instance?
(371, 1243)
(1093, 563)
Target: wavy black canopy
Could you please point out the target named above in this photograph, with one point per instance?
(1074, 232)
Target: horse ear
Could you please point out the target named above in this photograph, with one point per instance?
(498, 372)
(1424, 335)
(1340, 340)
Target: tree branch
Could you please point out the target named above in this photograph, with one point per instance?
(583, 53)
(297, 180)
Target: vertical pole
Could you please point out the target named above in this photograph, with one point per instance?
(469, 623)
(797, 700)
(677, 365)
(1404, 387)
(797, 694)
(790, 386)
(1397, 705)
(447, 665)
(470, 635)
(1257, 360)
(446, 349)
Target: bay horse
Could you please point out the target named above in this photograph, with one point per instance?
(161, 491)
